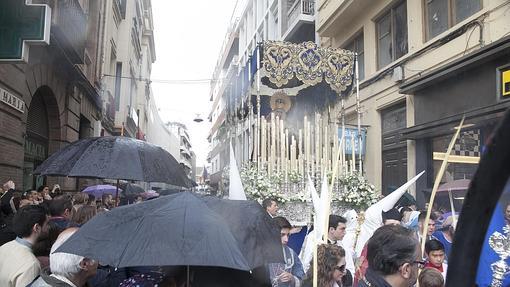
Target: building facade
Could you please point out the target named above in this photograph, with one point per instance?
(128, 52)
(423, 65)
(159, 133)
(186, 157)
(257, 21)
(51, 98)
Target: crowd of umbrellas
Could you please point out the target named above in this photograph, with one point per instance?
(182, 229)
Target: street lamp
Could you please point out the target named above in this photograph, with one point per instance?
(198, 119)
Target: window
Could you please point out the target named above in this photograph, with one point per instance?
(356, 45)
(469, 143)
(392, 35)
(440, 15)
(118, 79)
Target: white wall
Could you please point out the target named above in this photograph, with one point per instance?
(159, 134)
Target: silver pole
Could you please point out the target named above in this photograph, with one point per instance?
(342, 114)
(258, 111)
(358, 109)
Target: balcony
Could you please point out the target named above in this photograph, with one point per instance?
(70, 29)
(335, 15)
(300, 21)
(109, 113)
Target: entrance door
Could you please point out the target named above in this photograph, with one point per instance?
(394, 148)
(36, 141)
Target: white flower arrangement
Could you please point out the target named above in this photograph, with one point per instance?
(259, 185)
(356, 192)
(351, 190)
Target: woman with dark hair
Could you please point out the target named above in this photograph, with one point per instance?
(330, 267)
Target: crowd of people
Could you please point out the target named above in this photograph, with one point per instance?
(34, 224)
(392, 256)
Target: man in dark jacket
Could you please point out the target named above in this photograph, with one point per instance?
(394, 258)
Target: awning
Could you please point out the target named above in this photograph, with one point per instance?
(485, 54)
(474, 119)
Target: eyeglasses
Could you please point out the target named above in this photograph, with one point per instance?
(340, 268)
(421, 263)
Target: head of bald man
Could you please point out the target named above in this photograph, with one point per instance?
(77, 269)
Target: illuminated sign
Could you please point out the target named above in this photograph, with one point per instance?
(22, 23)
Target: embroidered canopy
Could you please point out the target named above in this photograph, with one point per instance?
(283, 61)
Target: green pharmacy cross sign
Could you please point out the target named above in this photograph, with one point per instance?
(21, 24)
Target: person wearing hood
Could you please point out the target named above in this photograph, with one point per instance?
(390, 217)
(349, 241)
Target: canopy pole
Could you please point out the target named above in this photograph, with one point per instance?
(358, 109)
(342, 114)
(117, 194)
(259, 165)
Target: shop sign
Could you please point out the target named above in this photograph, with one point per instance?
(11, 100)
(505, 83)
(23, 23)
(34, 150)
(350, 135)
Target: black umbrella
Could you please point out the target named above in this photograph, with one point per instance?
(180, 229)
(115, 158)
(132, 189)
(253, 228)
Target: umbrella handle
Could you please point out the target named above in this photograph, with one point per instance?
(187, 276)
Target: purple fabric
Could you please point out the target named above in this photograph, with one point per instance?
(99, 190)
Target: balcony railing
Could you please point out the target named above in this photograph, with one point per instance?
(300, 7)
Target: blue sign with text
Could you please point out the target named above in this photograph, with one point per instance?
(350, 134)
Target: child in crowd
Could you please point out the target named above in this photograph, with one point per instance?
(435, 252)
(430, 277)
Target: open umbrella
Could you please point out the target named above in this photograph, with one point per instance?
(455, 185)
(115, 158)
(149, 194)
(180, 229)
(132, 189)
(99, 190)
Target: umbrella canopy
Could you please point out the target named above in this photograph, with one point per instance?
(456, 185)
(168, 191)
(181, 229)
(132, 189)
(99, 190)
(115, 158)
(149, 194)
(255, 231)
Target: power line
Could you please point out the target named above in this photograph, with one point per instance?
(167, 81)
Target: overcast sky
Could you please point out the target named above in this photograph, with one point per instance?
(188, 36)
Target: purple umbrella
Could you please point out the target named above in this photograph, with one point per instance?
(456, 185)
(99, 190)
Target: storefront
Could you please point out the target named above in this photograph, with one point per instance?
(45, 104)
(472, 86)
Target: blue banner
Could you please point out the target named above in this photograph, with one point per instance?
(489, 256)
(352, 133)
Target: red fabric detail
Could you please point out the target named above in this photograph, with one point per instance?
(430, 265)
